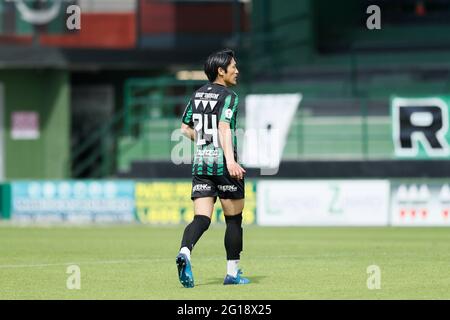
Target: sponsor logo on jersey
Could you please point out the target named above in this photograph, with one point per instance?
(205, 103)
(227, 187)
(201, 187)
(207, 95)
(207, 152)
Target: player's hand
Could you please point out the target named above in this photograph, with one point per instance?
(235, 170)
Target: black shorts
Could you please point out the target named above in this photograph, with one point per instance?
(224, 187)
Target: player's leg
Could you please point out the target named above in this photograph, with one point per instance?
(231, 194)
(233, 240)
(204, 194)
(203, 208)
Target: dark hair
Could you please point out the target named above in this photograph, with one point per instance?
(219, 59)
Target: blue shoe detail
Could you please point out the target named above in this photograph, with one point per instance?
(185, 271)
(236, 280)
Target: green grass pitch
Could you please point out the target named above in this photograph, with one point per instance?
(138, 262)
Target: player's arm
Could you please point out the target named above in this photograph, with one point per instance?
(235, 170)
(226, 138)
(187, 131)
(187, 124)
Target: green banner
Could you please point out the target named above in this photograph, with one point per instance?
(5, 201)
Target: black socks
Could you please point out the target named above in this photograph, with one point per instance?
(233, 236)
(194, 231)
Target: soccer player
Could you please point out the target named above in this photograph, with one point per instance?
(210, 121)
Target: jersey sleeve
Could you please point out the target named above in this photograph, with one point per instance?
(229, 108)
(187, 115)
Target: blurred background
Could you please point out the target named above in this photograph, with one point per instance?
(86, 116)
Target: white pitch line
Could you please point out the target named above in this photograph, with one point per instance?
(43, 265)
